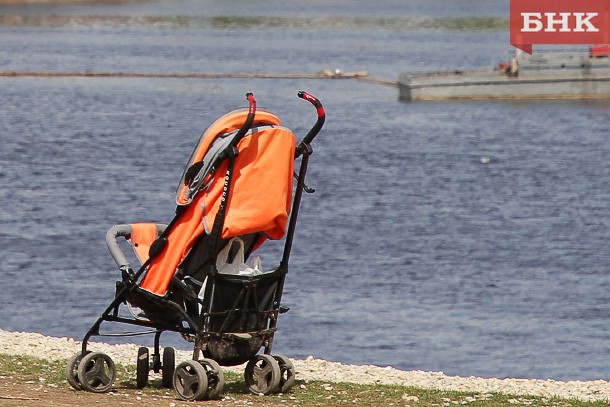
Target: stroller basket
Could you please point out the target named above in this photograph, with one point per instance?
(241, 304)
(237, 187)
(241, 311)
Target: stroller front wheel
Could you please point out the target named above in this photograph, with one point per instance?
(168, 366)
(142, 368)
(96, 372)
(72, 371)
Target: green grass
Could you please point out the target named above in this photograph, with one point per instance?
(313, 393)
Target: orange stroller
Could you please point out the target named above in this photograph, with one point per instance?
(198, 276)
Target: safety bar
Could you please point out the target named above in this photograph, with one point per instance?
(112, 242)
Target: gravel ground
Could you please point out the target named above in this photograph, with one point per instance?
(51, 348)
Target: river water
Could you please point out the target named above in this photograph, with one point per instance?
(463, 237)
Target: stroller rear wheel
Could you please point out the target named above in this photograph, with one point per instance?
(287, 373)
(216, 378)
(190, 381)
(96, 372)
(262, 375)
(142, 368)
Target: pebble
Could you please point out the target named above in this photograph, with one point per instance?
(53, 348)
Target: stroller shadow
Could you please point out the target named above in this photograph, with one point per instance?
(233, 386)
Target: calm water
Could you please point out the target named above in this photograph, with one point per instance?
(414, 251)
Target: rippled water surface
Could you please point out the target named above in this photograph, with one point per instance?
(470, 238)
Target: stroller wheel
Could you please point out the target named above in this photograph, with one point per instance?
(287, 373)
(72, 371)
(96, 372)
(190, 381)
(262, 375)
(168, 366)
(216, 378)
(142, 367)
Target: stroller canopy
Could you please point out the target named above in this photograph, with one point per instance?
(260, 193)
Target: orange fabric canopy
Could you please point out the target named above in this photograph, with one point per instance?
(225, 124)
(259, 201)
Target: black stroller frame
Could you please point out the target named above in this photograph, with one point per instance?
(235, 318)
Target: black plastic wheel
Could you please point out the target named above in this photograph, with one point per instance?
(168, 366)
(72, 370)
(287, 373)
(216, 378)
(190, 381)
(96, 372)
(262, 375)
(142, 368)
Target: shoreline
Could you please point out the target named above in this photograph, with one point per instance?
(312, 369)
(63, 2)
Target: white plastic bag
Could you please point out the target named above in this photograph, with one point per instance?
(238, 265)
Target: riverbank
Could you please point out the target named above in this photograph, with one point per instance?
(51, 2)
(312, 369)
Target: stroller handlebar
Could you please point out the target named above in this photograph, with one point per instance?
(252, 102)
(249, 119)
(313, 100)
(319, 123)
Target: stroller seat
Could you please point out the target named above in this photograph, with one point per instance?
(179, 261)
